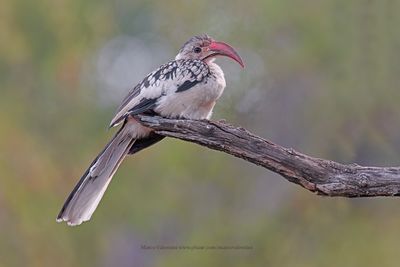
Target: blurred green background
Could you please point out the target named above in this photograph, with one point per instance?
(322, 77)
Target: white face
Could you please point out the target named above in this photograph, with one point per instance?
(205, 48)
(196, 47)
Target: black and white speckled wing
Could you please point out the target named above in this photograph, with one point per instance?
(173, 77)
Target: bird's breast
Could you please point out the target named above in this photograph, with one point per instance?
(198, 101)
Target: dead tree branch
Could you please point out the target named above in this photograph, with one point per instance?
(322, 176)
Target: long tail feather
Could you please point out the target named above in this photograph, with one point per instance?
(86, 195)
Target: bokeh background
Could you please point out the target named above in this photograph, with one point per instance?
(322, 77)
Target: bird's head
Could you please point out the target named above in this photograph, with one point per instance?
(203, 47)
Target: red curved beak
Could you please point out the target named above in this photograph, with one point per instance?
(223, 49)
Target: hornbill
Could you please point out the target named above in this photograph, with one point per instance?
(187, 87)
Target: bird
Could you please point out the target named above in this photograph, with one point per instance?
(185, 88)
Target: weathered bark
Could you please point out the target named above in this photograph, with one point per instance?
(322, 176)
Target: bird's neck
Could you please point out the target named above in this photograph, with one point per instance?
(216, 71)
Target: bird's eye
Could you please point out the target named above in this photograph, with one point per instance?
(197, 50)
